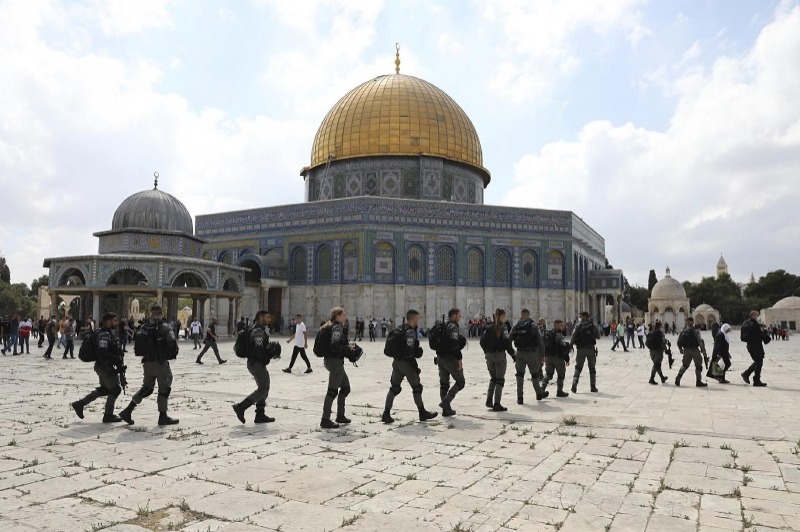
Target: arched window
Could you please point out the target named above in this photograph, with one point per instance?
(416, 265)
(530, 267)
(502, 268)
(324, 264)
(350, 261)
(474, 266)
(226, 257)
(298, 265)
(384, 262)
(446, 265)
(555, 267)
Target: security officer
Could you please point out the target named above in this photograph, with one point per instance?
(530, 353)
(657, 344)
(450, 362)
(691, 344)
(584, 338)
(155, 342)
(755, 335)
(109, 359)
(404, 366)
(259, 354)
(338, 383)
(495, 343)
(557, 351)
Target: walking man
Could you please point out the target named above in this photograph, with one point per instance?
(405, 350)
(52, 332)
(450, 362)
(211, 341)
(259, 354)
(195, 329)
(495, 344)
(334, 348)
(13, 335)
(108, 364)
(155, 342)
(25, 328)
(300, 337)
(657, 343)
(557, 351)
(530, 354)
(690, 344)
(69, 337)
(755, 335)
(584, 339)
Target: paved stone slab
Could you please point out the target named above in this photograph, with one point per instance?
(632, 457)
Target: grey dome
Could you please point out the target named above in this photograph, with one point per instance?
(153, 210)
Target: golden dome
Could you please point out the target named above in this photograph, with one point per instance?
(397, 115)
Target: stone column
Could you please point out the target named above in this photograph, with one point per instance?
(195, 308)
(96, 306)
(53, 303)
(231, 315)
(160, 297)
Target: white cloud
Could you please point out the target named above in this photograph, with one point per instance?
(126, 16)
(539, 48)
(81, 130)
(721, 177)
(449, 45)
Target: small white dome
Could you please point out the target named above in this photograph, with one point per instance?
(791, 302)
(668, 288)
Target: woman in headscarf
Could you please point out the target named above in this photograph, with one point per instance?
(722, 352)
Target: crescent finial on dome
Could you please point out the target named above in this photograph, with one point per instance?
(397, 58)
(155, 181)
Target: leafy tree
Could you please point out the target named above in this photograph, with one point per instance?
(5, 273)
(44, 280)
(771, 288)
(651, 281)
(638, 296)
(722, 293)
(14, 298)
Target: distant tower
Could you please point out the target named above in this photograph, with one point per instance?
(722, 266)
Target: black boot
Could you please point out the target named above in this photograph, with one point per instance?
(77, 406)
(543, 395)
(240, 408)
(111, 418)
(425, 415)
(653, 376)
(519, 400)
(164, 419)
(575, 384)
(387, 417)
(125, 414)
(593, 383)
(326, 423)
(561, 392)
(497, 407)
(261, 417)
(340, 417)
(490, 395)
(447, 411)
(699, 379)
(680, 376)
(746, 376)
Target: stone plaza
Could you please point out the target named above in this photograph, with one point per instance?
(632, 457)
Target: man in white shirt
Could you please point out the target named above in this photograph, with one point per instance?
(300, 338)
(195, 327)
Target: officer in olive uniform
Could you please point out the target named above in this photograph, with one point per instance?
(450, 362)
(404, 366)
(109, 359)
(691, 344)
(530, 354)
(338, 383)
(495, 343)
(161, 347)
(259, 354)
(657, 344)
(557, 351)
(584, 338)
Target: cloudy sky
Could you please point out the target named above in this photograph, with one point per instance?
(673, 128)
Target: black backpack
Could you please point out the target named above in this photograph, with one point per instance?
(242, 339)
(551, 347)
(687, 339)
(88, 350)
(585, 335)
(145, 341)
(322, 342)
(436, 336)
(749, 331)
(523, 335)
(394, 343)
(650, 341)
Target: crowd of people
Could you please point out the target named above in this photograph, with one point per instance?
(533, 347)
